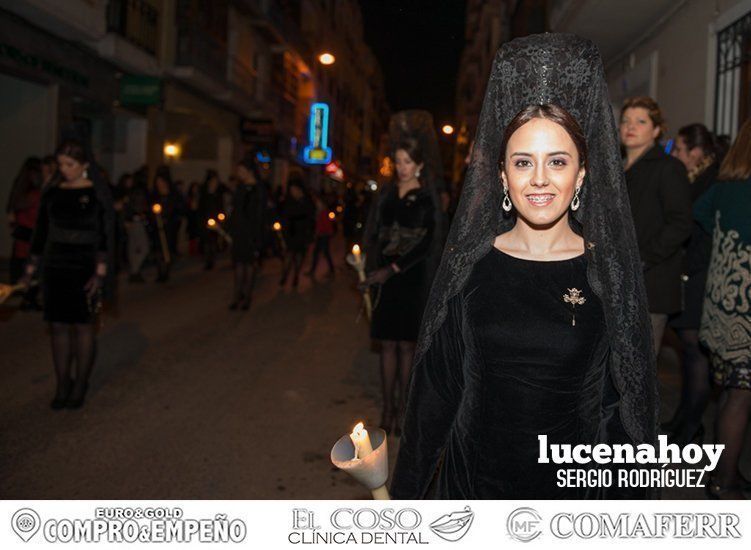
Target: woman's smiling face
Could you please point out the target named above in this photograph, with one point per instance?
(541, 170)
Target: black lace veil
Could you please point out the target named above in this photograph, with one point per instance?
(418, 125)
(565, 70)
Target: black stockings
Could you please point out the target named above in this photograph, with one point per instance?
(695, 390)
(732, 421)
(396, 367)
(71, 341)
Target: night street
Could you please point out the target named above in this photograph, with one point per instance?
(190, 400)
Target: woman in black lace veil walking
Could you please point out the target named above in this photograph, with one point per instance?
(537, 321)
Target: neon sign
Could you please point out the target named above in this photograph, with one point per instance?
(318, 152)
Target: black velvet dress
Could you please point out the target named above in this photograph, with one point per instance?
(70, 236)
(404, 238)
(246, 222)
(507, 365)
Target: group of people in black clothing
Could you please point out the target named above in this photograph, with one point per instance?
(73, 231)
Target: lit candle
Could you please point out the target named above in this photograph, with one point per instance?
(361, 440)
(220, 216)
(157, 210)
(356, 252)
(277, 226)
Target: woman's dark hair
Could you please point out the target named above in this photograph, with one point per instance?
(249, 162)
(554, 113)
(210, 174)
(73, 149)
(697, 135)
(164, 173)
(412, 147)
(124, 179)
(29, 177)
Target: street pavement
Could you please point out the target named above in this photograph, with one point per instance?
(189, 400)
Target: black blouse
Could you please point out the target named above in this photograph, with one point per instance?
(70, 230)
(508, 363)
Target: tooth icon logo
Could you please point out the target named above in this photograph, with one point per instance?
(25, 523)
(453, 526)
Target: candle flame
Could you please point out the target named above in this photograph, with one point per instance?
(157, 208)
(277, 226)
(357, 430)
(211, 222)
(332, 215)
(356, 249)
(220, 216)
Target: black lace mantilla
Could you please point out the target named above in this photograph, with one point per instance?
(565, 70)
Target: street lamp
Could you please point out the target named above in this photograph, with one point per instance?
(448, 129)
(171, 150)
(326, 58)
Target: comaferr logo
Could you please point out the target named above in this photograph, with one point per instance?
(523, 524)
(453, 526)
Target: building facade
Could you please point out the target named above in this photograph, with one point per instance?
(213, 79)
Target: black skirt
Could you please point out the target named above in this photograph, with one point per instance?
(398, 305)
(64, 295)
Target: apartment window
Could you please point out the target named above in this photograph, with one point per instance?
(733, 79)
(135, 20)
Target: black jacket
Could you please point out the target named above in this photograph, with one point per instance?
(660, 197)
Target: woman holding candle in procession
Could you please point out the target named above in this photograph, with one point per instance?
(210, 205)
(400, 240)
(246, 229)
(167, 210)
(71, 250)
(537, 322)
(298, 221)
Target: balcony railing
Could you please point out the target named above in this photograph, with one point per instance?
(135, 20)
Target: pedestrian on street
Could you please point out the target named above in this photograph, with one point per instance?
(298, 220)
(725, 211)
(72, 247)
(172, 206)
(399, 240)
(21, 209)
(660, 197)
(324, 231)
(210, 205)
(701, 154)
(136, 215)
(246, 227)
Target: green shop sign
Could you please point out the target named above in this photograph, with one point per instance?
(140, 90)
(32, 61)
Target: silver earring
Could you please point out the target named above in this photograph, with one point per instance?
(576, 202)
(85, 174)
(417, 174)
(507, 206)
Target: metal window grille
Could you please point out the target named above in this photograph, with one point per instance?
(733, 79)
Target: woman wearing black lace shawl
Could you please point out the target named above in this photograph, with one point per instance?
(462, 403)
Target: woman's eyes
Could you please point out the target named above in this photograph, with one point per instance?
(555, 162)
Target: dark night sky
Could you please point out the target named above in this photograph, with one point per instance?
(418, 44)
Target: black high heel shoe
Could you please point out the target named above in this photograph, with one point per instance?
(76, 401)
(62, 394)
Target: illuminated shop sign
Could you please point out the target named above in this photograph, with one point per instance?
(318, 152)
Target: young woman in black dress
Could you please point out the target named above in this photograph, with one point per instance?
(537, 322)
(406, 222)
(298, 214)
(246, 229)
(71, 246)
(210, 205)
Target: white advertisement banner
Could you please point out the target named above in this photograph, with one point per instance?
(289, 524)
